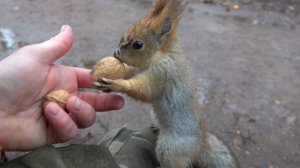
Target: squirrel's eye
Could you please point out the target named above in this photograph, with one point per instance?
(137, 45)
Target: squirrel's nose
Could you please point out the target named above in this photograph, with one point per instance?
(117, 53)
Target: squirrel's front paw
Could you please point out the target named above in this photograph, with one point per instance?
(108, 85)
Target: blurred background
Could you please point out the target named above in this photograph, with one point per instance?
(245, 55)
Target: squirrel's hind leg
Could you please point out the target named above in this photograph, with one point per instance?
(155, 123)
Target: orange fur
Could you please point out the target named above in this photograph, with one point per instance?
(139, 87)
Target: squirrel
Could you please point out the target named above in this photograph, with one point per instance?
(165, 81)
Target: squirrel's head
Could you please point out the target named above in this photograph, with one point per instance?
(154, 33)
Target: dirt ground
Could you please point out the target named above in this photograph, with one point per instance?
(246, 64)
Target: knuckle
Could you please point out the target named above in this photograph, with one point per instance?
(65, 122)
(60, 45)
(66, 133)
(88, 116)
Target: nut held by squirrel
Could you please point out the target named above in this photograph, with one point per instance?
(59, 96)
(109, 67)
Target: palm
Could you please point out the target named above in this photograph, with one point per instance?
(24, 106)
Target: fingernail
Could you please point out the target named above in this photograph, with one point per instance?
(77, 104)
(120, 103)
(63, 28)
(54, 110)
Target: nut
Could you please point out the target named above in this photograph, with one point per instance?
(109, 67)
(59, 96)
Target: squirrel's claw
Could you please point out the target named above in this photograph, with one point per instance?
(106, 81)
(104, 85)
(108, 85)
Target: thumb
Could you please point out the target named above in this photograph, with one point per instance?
(57, 46)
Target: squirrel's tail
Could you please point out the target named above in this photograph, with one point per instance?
(217, 156)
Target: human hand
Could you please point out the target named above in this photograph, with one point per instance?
(26, 77)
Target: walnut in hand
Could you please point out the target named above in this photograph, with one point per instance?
(59, 96)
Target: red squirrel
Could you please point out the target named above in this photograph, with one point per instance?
(165, 81)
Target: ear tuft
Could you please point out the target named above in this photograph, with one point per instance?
(158, 8)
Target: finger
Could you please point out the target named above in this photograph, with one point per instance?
(83, 77)
(102, 101)
(54, 48)
(62, 126)
(82, 113)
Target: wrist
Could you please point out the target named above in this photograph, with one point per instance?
(3, 140)
(1, 154)
(9, 136)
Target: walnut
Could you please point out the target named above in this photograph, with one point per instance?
(109, 67)
(59, 96)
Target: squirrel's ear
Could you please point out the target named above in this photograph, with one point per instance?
(167, 26)
(163, 30)
(163, 20)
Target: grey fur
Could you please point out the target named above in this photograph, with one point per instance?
(182, 140)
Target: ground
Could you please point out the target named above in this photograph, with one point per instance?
(246, 65)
